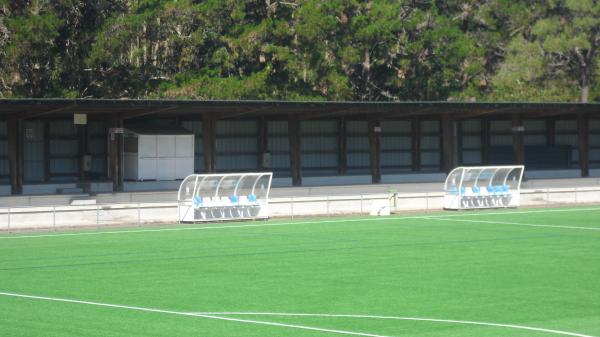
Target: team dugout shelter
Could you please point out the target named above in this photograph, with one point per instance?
(50, 146)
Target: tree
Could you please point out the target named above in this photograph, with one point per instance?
(556, 58)
(29, 67)
(300, 49)
(524, 76)
(570, 36)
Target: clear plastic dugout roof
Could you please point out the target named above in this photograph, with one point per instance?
(483, 187)
(230, 196)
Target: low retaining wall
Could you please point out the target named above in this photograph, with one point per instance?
(21, 218)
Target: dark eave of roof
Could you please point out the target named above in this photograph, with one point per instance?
(158, 130)
(134, 108)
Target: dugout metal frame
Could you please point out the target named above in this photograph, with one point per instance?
(223, 197)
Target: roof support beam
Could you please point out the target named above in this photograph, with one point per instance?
(263, 143)
(82, 134)
(479, 112)
(447, 143)
(342, 146)
(374, 125)
(15, 153)
(116, 156)
(209, 141)
(330, 113)
(46, 154)
(518, 132)
(583, 134)
(486, 140)
(294, 141)
(458, 142)
(37, 114)
(145, 112)
(241, 114)
(418, 111)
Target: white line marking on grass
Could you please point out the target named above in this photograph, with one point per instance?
(217, 316)
(189, 314)
(452, 321)
(517, 224)
(177, 229)
(554, 210)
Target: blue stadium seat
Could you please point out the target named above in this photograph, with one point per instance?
(234, 199)
(197, 201)
(475, 189)
(453, 190)
(252, 198)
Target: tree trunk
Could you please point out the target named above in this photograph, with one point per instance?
(588, 70)
(366, 72)
(585, 87)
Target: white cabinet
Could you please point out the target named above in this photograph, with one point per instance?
(147, 146)
(165, 147)
(147, 169)
(158, 156)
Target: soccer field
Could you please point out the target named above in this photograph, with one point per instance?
(526, 272)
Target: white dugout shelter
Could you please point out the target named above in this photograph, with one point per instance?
(231, 196)
(483, 187)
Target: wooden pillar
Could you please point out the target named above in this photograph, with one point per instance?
(46, 154)
(82, 133)
(342, 147)
(485, 141)
(518, 131)
(416, 144)
(116, 156)
(374, 126)
(263, 142)
(114, 161)
(583, 142)
(209, 141)
(294, 142)
(447, 140)
(15, 154)
(459, 143)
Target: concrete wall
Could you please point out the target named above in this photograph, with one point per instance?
(413, 178)
(60, 188)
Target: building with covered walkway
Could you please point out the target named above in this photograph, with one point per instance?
(50, 146)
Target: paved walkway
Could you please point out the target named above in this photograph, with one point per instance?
(417, 187)
(282, 192)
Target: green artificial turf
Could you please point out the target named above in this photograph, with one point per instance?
(486, 267)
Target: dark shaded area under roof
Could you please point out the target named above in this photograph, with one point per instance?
(159, 130)
(128, 109)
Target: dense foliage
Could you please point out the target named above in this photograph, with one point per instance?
(493, 50)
